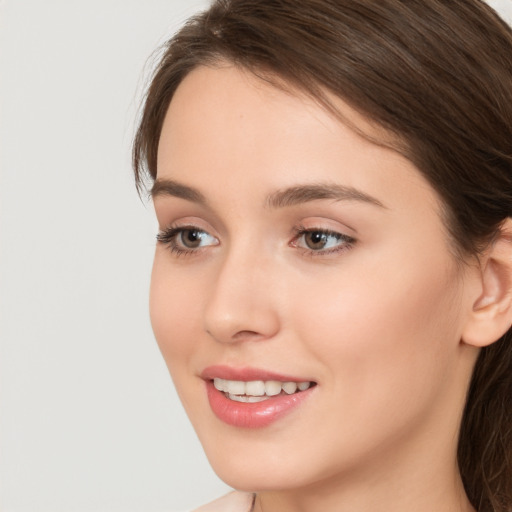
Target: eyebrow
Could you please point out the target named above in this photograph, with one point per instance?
(290, 196)
(311, 192)
(172, 188)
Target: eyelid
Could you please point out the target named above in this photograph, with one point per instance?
(346, 242)
(168, 235)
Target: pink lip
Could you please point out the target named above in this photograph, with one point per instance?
(246, 374)
(250, 415)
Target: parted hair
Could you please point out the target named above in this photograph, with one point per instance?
(437, 75)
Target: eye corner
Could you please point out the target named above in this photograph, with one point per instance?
(186, 239)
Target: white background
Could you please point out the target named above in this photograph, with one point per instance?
(89, 420)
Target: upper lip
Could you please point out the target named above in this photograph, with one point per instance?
(247, 374)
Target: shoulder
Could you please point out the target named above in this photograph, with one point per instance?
(233, 502)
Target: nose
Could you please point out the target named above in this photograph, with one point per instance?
(242, 304)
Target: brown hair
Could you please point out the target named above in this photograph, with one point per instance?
(435, 73)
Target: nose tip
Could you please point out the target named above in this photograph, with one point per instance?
(241, 306)
(231, 321)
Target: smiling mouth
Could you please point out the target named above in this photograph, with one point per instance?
(258, 390)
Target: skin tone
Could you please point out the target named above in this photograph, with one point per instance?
(260, 264)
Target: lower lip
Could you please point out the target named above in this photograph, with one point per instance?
(253, 415)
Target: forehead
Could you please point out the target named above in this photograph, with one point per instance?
(225, 123)
(226, 86)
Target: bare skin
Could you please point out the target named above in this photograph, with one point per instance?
(359, 293)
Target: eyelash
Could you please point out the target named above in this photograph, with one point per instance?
(346, 242)
(168, 237)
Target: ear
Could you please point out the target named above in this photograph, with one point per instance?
(491, 314)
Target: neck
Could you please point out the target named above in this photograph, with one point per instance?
(420, 476)
(384, 494)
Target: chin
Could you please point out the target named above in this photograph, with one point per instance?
(259, 477)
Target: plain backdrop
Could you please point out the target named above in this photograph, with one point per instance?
(89, 420)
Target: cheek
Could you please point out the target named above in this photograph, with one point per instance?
(174, 313)
(387, 338)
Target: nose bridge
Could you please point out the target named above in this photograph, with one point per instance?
(241, 305)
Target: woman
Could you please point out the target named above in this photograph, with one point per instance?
(332, 281)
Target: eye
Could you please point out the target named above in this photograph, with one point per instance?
(194, 238)
(321, 241)
(186, 239)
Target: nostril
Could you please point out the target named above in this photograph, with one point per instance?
(246, 334)
(227, 318)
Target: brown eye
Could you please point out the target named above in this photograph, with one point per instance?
(186, 239)
(316, 240)
(192, 238)
(322, 241)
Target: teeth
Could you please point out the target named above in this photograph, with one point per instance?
(273, 387)
(245, 398)
(290, 387)
(257, 390)
(220, 384)
(236, 387)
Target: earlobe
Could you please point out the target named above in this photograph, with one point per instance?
(491, 314)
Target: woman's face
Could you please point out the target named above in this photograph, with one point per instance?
(292, 250)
